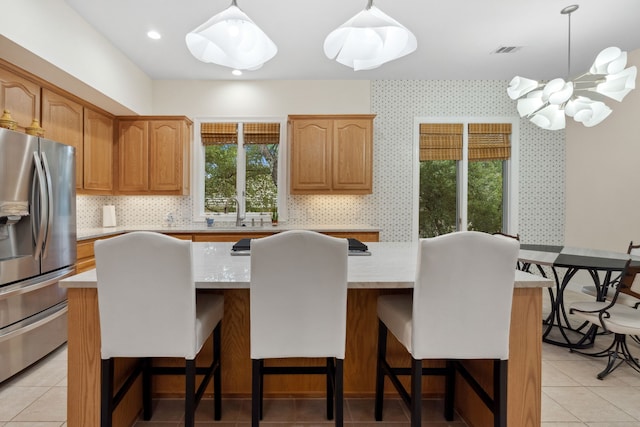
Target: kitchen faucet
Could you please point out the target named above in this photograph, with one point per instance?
(239, 219)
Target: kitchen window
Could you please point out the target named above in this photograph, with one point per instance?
(466, 176)
(239, 167)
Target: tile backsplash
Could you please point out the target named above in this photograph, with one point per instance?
(133, 210)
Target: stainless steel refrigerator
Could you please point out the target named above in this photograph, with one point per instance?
(37, 246)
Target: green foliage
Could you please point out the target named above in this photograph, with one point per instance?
(220, 177)
(484, 205)
(262, 177)
(438, 204)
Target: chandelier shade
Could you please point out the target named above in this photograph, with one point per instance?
(586, 111)
(617, 86)
(547, 104)
(231, 39)
(611, 60)
(368, 40)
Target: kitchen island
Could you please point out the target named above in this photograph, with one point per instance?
(390, 268)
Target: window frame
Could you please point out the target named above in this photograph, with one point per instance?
(197, 174)
(510, 172)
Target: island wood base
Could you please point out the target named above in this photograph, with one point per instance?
(524, 384)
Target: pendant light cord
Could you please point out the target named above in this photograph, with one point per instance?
(568, 11)
(569, 50)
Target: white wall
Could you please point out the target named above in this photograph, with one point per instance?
(261, 97)
(50, 40)
(603, 177)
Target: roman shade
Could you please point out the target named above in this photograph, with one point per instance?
(440, 141)
(261, 133)
(443, 141)
(489, 141)
(218, 133)
(227, 133)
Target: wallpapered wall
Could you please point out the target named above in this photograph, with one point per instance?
(396, 103)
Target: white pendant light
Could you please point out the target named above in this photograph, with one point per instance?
(369, 39)
(231, 39)
(546, 104)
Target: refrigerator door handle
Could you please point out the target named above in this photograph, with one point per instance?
(42, 207)
(33, 285)
(49, 201)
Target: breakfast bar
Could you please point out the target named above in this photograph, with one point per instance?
(390, 268)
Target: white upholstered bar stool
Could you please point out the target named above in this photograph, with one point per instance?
(460, 309)
(298, 308)
(149, 308)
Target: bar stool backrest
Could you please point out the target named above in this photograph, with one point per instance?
(146, 296)
(463, 296)
(298, 299)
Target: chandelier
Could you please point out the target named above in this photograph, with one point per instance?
(369, 39)
(547, 104)
(231, 39)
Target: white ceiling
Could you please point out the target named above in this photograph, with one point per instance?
(456, 38)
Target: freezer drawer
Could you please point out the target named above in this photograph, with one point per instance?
(28, 341)
(24, 299)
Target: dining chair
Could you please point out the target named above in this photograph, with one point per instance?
(613, 317)
(629, 295)
(298, 309)
(460, 309)
(148, 307)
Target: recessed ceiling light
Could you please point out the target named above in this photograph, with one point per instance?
(236, 72)
(154, 35)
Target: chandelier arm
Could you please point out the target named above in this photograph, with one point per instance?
(533, 113)
(587, 83)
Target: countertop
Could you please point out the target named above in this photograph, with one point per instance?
(390, 266)
(91, 233)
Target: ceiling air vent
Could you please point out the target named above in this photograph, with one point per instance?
(507, 49)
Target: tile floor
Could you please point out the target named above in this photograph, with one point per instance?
(571, 397)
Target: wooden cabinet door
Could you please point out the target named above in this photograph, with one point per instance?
(21, 97)
(311, 146)
(352, 155)
(62, 120)
(165, 156)
(187, 138)
(133, 156)
(98, 152)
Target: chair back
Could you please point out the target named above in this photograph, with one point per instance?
(633, 288)
(463, 295)
(146, 296)
(298, 301)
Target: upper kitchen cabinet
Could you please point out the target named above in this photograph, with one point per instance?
(21, 97)
(98, 153)
(62, 120)
(90, 132)
(331, 154)
(153, 155)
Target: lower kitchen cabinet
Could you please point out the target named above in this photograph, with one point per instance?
(86, 256)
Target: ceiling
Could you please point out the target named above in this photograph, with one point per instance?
(456, 38)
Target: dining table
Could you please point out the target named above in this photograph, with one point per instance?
(389, 267)
(565, 263)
